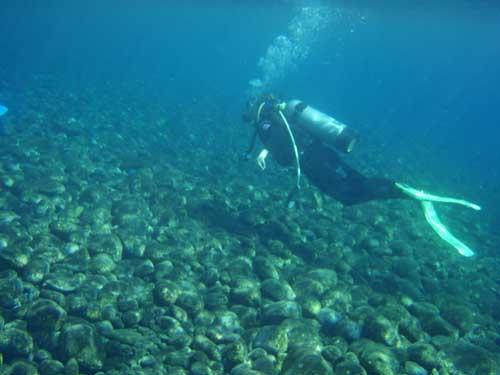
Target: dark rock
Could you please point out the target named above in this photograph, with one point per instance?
(264, 268)
(175, 335)
(460, 316)
(15, 343)
(376, 358)
(215, 300)
(473, 359)
(272, 339)
(106, 244)
(191, 302)
(144, 268)
(20, 368)
(310, 306)
(178, 358)
(104, 328)
(148, 361)
(405, 267)
(262, 362)
(198, 368)
(36, 270)
(247, 315)
(131, 319)
(102, 264)
(423, 310)
(210, 276)
(438, 326)
(208, 347)
(46, 315)
(302, 334)
(277, 290)
(41, 355)
(127, 304)
(51, 367)
(276, 312)
(299, 362)
(166, 292)
(411, 329)
(246, 292)
(329, 318)
(64, 281)
(332, 353)
(233, 354)
(225, 328)
(380, 329)
(78, 341)
(424, 354)
(414, 369)
(349, 366)
(348, 329)
(71, 367)
(164, 270)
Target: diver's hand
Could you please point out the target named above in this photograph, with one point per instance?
(261, 159)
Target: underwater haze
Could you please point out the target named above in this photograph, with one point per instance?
(138, 237)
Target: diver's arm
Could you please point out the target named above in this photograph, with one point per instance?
(251, 146)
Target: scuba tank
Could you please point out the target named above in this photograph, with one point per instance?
(321, 126)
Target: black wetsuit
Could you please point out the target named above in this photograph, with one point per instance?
(321, 164)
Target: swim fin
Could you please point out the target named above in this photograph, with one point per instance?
(433, 219)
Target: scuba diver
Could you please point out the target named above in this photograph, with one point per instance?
(296, 134)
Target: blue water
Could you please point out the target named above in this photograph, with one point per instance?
(400, 74)
(418, 81)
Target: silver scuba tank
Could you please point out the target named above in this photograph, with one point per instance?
(321, 126)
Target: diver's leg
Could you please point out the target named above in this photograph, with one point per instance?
(325, 169)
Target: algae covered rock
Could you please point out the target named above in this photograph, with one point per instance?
(300, 361)
(349, 365)
(382, 330)
(413, 368)
(272, 339)
(191, 302)
(106, 244)
(15, 343)
(36, 270)
(329, 319)
(79, 341)
(348, 329)
(20, 368)
(277, 290)
(166, 292)
(233, 354)
(51, 367)
(302, 334)
(46, 315)
(265, 269)
(246, 292)
(276, 312)
(424, 354)
(64, 280)
(473, 359)
(376, 358)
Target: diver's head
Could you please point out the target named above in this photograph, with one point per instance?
(256, 105)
